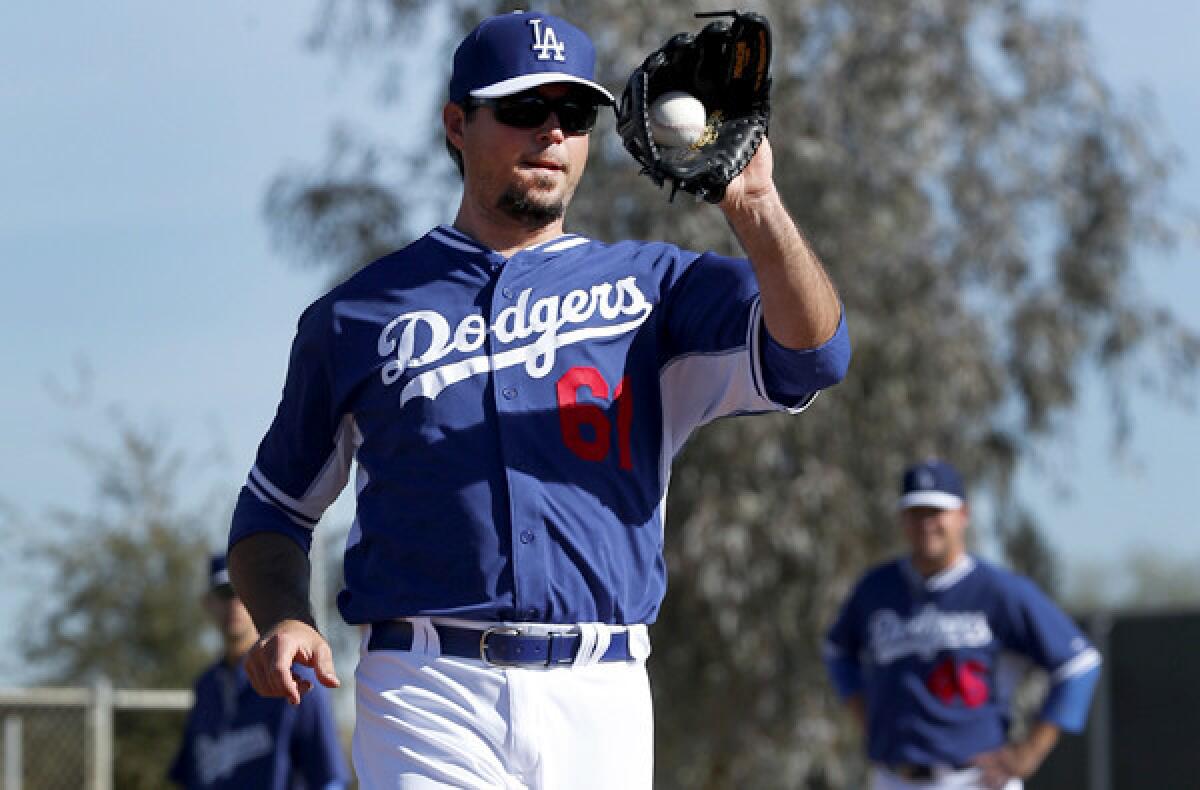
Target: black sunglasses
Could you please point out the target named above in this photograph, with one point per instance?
(576, 114)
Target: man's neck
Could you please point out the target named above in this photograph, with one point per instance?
(929, 567)
(502, 233)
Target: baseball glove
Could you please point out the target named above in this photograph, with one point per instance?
(727, 66)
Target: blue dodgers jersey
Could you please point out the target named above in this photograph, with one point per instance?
(937, 659)
(235, 739)
(514, 422)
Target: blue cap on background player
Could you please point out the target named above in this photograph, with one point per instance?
(218, 572)
(932, 483)
(510, 53)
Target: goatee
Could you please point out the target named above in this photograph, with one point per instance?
(528, 211)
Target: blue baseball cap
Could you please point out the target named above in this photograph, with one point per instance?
(218, 572)
(510, 53)
(932, 483)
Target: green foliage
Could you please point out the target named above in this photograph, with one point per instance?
(125, 600)
(978, 196)
(143, 747)
(129, 574)
(1027, 551)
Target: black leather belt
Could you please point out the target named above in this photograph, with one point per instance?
(922, 773)
(501, 646)
(914, 773)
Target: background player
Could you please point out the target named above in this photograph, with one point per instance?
(236, 739)
(927, 651)
(514, 395)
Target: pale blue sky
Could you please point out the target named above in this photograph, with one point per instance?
(138, 144)
(1148, 499)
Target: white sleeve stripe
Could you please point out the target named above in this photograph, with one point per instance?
(329, 482)
(1084, 662)
(267, 500)
(288, 503)
(805, 405)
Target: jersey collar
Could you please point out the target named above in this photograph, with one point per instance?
(455, 238)
(943, 580)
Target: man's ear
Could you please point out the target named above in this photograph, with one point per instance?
(454, 119)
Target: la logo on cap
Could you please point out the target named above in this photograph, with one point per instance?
(547, 42)
(925, 479)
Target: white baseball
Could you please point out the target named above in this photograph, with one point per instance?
(677, 119)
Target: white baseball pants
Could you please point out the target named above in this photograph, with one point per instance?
(431, 722)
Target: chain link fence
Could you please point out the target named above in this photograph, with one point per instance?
(58, 738)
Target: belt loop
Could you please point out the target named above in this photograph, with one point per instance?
(425, 638)
(593, 641)
(639, 642)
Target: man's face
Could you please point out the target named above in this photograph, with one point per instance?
(228, 614)
(527, 174)
(937, 537)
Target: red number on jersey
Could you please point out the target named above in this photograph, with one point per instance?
(574, 416)
(967, 681)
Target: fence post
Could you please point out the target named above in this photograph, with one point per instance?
(12, 753)
(102, 734)
(1099, 746)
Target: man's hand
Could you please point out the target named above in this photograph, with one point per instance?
(270, 573)
(269, 662)
(753, 183)
(1001, 766)
(1017, 760)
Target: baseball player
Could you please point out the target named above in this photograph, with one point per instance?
(513, 395)
(236, 739)
(927, 651)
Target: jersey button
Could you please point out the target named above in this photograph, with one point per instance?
(510, 392)
(527, 536)
(508, 292)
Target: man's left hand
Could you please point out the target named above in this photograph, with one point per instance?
(1001, 766)
(1018, 760)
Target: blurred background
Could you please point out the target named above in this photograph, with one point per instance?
(1005, 191)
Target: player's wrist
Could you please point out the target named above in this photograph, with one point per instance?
(286, 619)
(1025, 758)
(305, 625)
(751, 197)
(758, 224)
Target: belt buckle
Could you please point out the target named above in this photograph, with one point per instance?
(507, 630)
